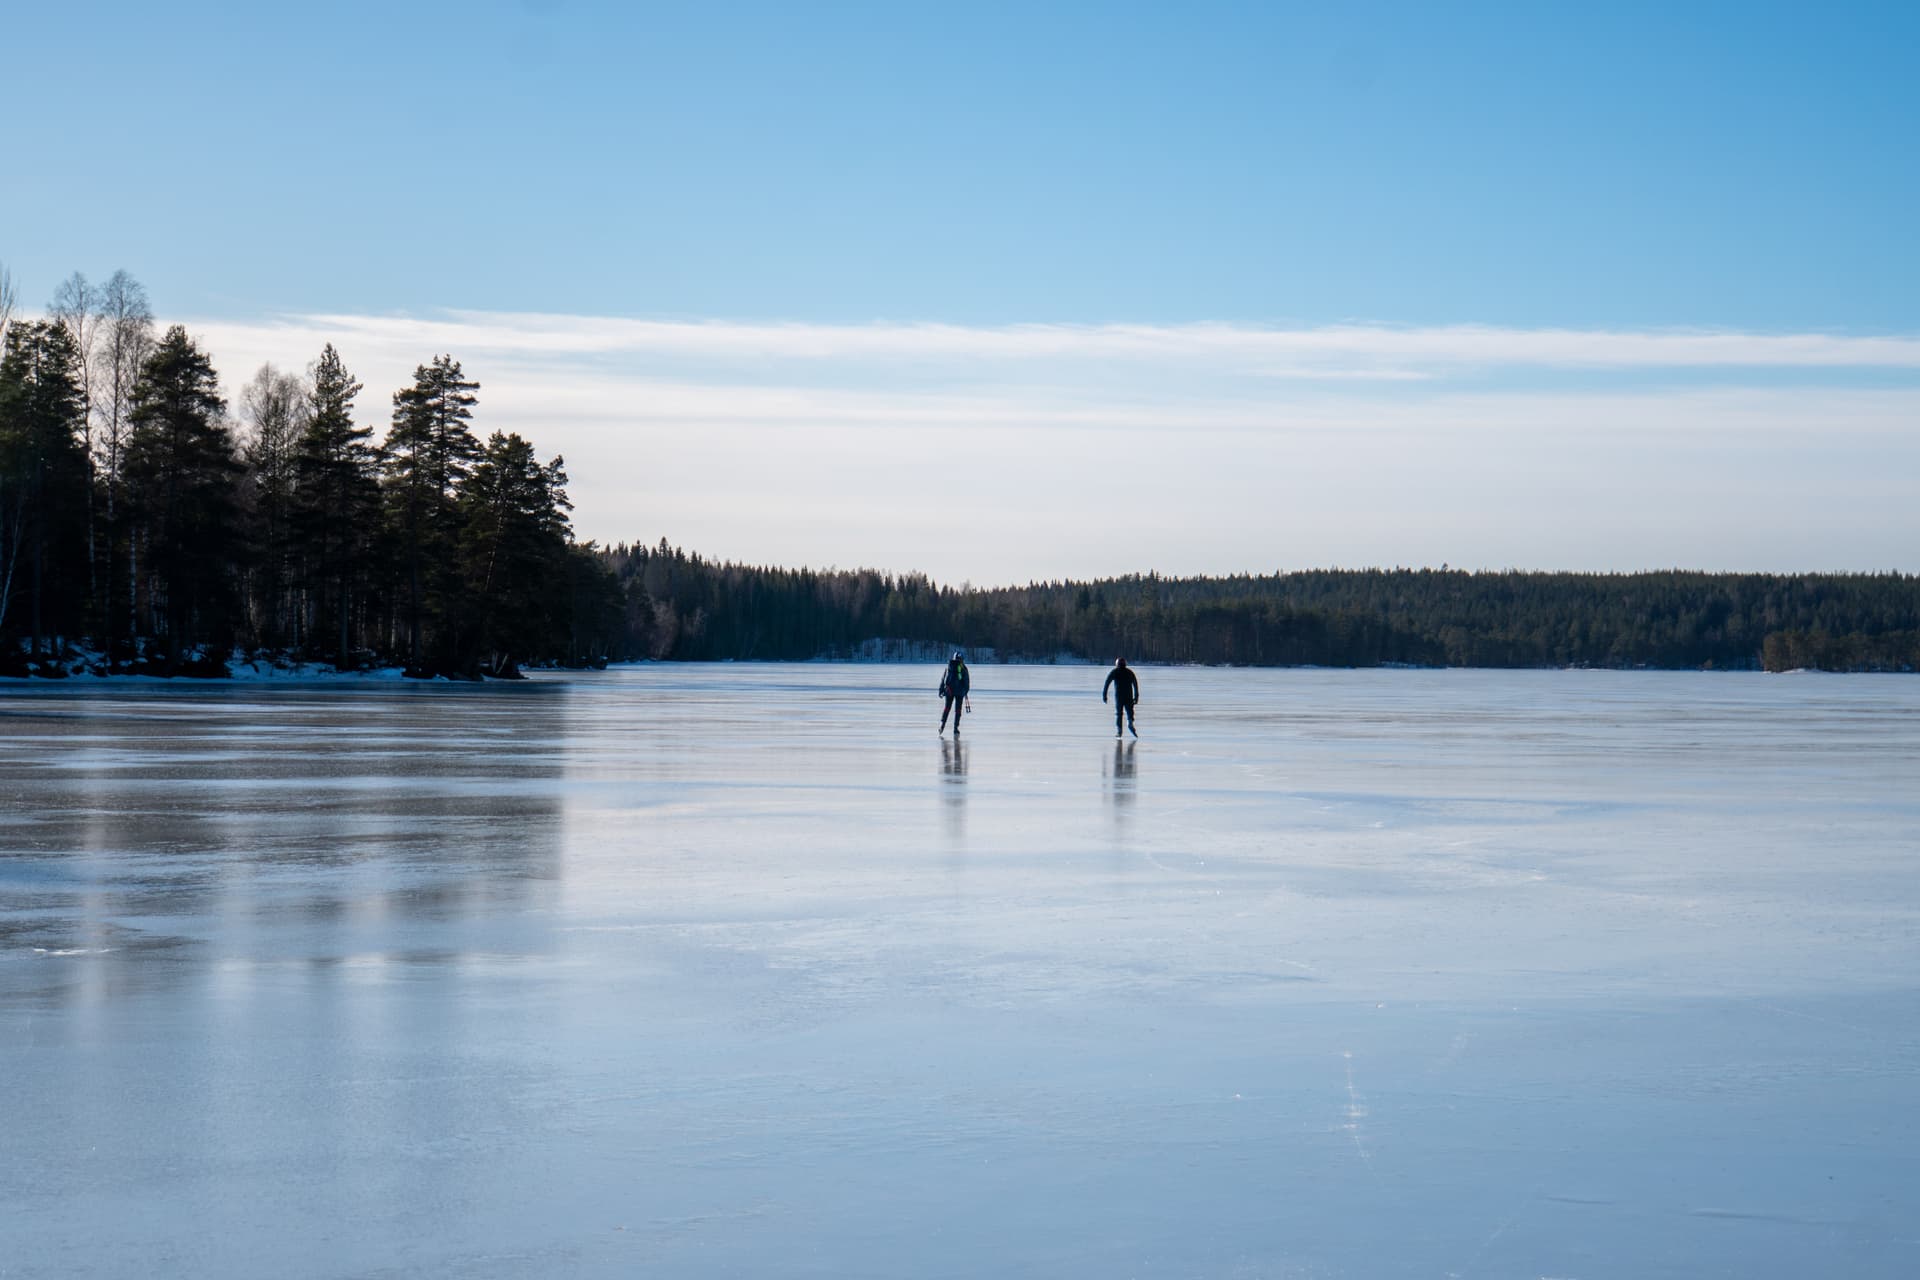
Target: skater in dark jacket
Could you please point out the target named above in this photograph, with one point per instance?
(1126, 692)
(954, 684)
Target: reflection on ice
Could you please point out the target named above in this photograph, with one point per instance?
(201, 823)
(724, 970)
(953, 794)
(1120, 772)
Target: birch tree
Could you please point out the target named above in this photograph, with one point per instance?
(8, 300)
(274, 404)
(125, 339)
(76, 308)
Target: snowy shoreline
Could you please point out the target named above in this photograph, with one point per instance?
(87, 665)
(319, 674)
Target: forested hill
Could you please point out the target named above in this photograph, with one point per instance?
(681, 606)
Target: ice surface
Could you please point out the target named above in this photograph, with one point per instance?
(739, 970)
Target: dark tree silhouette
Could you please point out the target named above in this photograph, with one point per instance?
(43, 478)
(427, 454)
(181, 473)
(514, 527)
(335, 502)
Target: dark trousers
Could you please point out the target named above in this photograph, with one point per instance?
(953, 707)
(1122, 711)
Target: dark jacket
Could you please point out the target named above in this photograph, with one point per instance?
(1125, 685)
(956, 681)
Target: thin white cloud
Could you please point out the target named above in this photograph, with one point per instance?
(611, 402)
(1337, 350)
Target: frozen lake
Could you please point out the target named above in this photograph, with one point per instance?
(741, 971)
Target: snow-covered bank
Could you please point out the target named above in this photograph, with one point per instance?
(88, 664)
(261, 669)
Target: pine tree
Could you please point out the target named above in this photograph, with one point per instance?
(427, 454)
(181, 477)
(336, 492)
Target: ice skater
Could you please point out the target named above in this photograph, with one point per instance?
(1126, 692)
(955, 682)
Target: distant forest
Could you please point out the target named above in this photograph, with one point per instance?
(680, 606)
(151, 524)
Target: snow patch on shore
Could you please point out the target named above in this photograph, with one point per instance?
(85, 662)
(241, 668)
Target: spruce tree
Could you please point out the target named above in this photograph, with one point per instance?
(514, 527)
(427, 454)
(43, 478)
(336, 492)
(181, 476)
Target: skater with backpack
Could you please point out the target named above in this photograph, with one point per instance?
(954, 685)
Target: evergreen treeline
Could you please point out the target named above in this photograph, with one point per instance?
(680, 606)
(141, 517)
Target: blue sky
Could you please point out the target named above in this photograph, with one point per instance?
(1745, 169)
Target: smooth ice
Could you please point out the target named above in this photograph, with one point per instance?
(742, 971)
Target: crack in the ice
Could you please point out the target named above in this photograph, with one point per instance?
(1356, 1112)
(1486, 1244)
